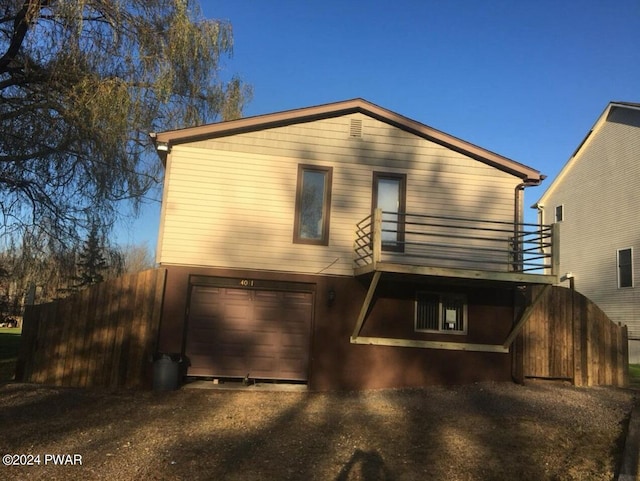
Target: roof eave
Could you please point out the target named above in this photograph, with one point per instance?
(569, 163)
(310, 114)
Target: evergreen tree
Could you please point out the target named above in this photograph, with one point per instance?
(91, 262)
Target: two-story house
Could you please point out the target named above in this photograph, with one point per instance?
(594, 201)
(344, 246)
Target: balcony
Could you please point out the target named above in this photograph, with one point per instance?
(456, 247)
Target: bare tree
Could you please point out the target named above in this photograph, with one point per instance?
(137, 258)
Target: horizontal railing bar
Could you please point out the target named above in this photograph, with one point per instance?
(464, 219)
(452, 236)
(449, 226)
(453, 246)
(532, 257)
(463, 227)
(536, 267)
(534, 249)
(448, 258)
(500, 240)
(536, 234)
(521, 237)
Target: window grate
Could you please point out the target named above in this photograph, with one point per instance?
(427, 307)
(440, 312)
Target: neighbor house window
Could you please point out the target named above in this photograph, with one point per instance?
(560, 213)
(389, 194)
(436, 312)
(313, 202)
(625, 267)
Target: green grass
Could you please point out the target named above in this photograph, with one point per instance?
(9, 347)
(634, 375)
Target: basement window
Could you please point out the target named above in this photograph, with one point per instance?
(437, 312)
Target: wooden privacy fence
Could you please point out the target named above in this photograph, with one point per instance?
(103, 336)
(569, 337)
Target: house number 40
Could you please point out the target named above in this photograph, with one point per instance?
(246, 283)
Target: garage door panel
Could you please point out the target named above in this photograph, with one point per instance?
(203, 366)
(234, 332)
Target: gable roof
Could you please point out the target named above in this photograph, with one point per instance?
(582, 145)
(310, 114)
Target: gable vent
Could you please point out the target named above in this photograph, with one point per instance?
(355, 130)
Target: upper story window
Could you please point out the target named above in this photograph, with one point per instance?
(313, 204)
(445, 313)
(625, 267)
(559, 214)
(389, 194)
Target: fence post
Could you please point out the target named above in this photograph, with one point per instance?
(577, 334)
(623, 356)
(555, 249)
(24, 364)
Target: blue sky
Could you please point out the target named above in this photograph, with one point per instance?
(524, 79)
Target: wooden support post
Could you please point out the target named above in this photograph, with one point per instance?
(577, 332)
(555, 249)
(623, 359)
(376, 234)
(365, 305)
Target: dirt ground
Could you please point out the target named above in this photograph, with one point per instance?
(542, 431)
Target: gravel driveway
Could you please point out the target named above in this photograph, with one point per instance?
(542, 431)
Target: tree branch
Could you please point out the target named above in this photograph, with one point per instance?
(21, 24)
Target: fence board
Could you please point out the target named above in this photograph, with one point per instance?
(88, 314)
(570, 337)
(101, 337)
(120, 341)
(139, 351)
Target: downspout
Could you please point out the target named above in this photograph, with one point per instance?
(516, 224)
(515, 366)
(516, 218)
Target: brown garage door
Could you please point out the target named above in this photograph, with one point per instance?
(238, 332)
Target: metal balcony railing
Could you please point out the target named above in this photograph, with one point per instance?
(455, 242)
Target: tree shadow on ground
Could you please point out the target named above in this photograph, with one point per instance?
(487, 431)
(368, 466)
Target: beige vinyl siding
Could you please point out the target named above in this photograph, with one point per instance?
(601, 204)
(230, 202)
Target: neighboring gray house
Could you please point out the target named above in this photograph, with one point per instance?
(595, 199)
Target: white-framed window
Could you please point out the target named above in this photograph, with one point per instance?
(389, 193)
(559, 213)
(440, 312)
(625, 267)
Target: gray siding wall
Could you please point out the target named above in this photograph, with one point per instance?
(601, 196)
(230, 202)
